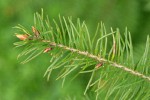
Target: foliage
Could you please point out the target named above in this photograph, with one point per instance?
(107, 57)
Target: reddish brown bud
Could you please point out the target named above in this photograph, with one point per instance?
(35, 31)
(22, 36)
(99, 65)
(47, 50)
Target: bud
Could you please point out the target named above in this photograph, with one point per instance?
(35, 31)
(99, 65)
(47, 50)
(22, 36)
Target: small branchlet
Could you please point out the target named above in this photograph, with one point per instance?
(77, 41)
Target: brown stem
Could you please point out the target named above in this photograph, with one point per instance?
(114, 64)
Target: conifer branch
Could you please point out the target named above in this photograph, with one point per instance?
(72, 47)
(99, 59)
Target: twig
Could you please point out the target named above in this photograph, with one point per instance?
(114, 64)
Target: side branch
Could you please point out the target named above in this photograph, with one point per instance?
(114, 64)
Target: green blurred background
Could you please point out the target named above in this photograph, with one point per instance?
(26, 82)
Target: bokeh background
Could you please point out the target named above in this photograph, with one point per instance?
(26, 82)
